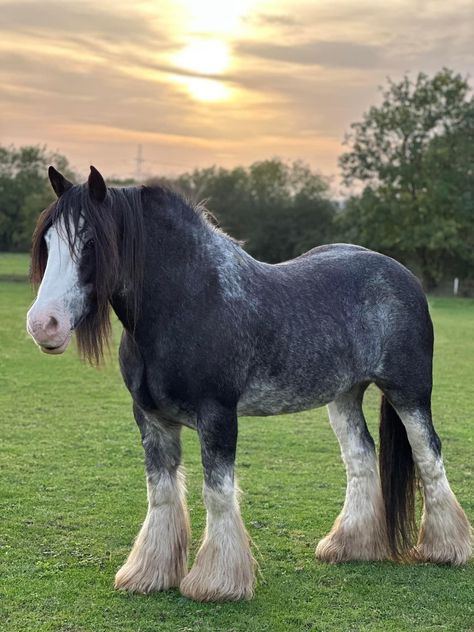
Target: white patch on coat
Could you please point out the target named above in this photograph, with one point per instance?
(158, 559)
(359, 532)
(445, 533)
(231, 267)
(224, 569)
(60, 298)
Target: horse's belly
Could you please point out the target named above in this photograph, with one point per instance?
(268, 398)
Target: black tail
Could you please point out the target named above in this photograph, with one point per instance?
(398, 477)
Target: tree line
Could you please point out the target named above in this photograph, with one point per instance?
(409, 161)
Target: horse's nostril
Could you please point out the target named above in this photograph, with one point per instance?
(52, 326)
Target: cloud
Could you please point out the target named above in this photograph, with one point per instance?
(92, 77)
(89, 92)
(92, 93)
(321, 53)
(273, 19)
(52, 18)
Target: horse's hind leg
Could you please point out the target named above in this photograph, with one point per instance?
(359, 531)
(445, 533)
(158, 559)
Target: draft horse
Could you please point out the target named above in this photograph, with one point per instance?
(210, 333)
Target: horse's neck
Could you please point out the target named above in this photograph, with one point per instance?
(192, 245)
(181, 258)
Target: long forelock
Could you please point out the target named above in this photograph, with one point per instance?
(39, 253)
(117, 231)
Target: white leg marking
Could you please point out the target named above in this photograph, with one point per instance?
(224, 569)
(158, 559)
(359, 531)
(445, 533)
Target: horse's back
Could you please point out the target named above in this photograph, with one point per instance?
(351, 274)
(345, 275)
(328, 249)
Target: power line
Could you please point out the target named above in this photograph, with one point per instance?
(139, 160)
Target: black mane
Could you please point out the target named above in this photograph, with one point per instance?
(117, 230)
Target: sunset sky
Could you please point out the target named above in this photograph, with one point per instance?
(202, 82)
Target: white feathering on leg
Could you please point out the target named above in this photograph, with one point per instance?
(224, 569)
(158, 559)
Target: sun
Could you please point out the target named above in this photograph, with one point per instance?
(207, 57)
(205, 89)
(209, 27)
(204, 57)
(214, 16)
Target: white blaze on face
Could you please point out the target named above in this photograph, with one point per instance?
(60, 299)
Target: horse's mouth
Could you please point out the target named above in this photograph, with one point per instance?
(57, 349)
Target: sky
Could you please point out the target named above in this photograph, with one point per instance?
(193, 83)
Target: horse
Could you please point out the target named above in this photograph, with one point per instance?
(210, 333)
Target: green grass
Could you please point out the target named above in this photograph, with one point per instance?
(14, 266)
(73, 498)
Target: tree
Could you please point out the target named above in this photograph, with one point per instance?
(24, 192)
(279, 210)
(450, 195)
(414, 154)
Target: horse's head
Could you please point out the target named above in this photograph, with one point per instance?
(74, 262)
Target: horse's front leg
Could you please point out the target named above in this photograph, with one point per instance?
(158, 559)
(224, 569)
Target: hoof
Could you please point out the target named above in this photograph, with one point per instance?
(338, 547)
(331, 551)
(454, 555)
(222, 573)
(198, 587)
(445, 537)
(137, 579)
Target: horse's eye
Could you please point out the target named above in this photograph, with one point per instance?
(89, 244)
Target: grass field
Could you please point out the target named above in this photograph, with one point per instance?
(73, 497)
(14, 266)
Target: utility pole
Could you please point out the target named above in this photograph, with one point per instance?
(139, 160)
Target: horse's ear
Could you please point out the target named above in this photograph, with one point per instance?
(97, 186)
(59, 183)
